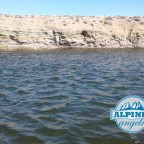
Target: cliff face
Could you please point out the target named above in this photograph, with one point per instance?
(71, 31)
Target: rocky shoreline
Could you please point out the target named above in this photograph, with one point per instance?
(48, 32)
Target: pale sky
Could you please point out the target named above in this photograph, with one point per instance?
(73, 7)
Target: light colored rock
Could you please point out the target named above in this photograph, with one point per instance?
(71, 31)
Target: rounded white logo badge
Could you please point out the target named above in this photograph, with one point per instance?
(129, 114)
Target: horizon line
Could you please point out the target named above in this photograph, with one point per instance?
(14, 14)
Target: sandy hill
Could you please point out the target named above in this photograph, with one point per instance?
(71, 31)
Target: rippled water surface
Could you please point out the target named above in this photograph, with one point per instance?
(64, 96)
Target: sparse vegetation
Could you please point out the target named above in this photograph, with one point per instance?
(114, 36)
(77, 20)
(107, 22)
(141, 23)
(92, 24)
(124, 31)
(137, 19)
(122, 17)
(85, 22)
(129, 20)
(109, 18)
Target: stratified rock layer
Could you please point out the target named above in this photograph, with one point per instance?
(39, 32)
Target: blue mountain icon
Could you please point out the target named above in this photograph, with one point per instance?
(134, 106)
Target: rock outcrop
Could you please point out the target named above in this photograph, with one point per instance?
(71, 32)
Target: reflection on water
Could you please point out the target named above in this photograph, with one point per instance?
(64, 96)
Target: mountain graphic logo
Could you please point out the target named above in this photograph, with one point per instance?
(129, 114)
(133, 106)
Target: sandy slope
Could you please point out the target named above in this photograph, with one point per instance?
(71, 31)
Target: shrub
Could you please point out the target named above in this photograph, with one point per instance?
(122, 17)
(77, 20)
(92, 24)
(108, 22)
(141, 23)
(136, 18)
(108, 18)
(114, 36)
(129, 20)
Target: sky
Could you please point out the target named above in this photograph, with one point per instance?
(73, 7)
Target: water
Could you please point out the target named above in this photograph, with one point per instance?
(64, 96)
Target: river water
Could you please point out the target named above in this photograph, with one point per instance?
(65, 96)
